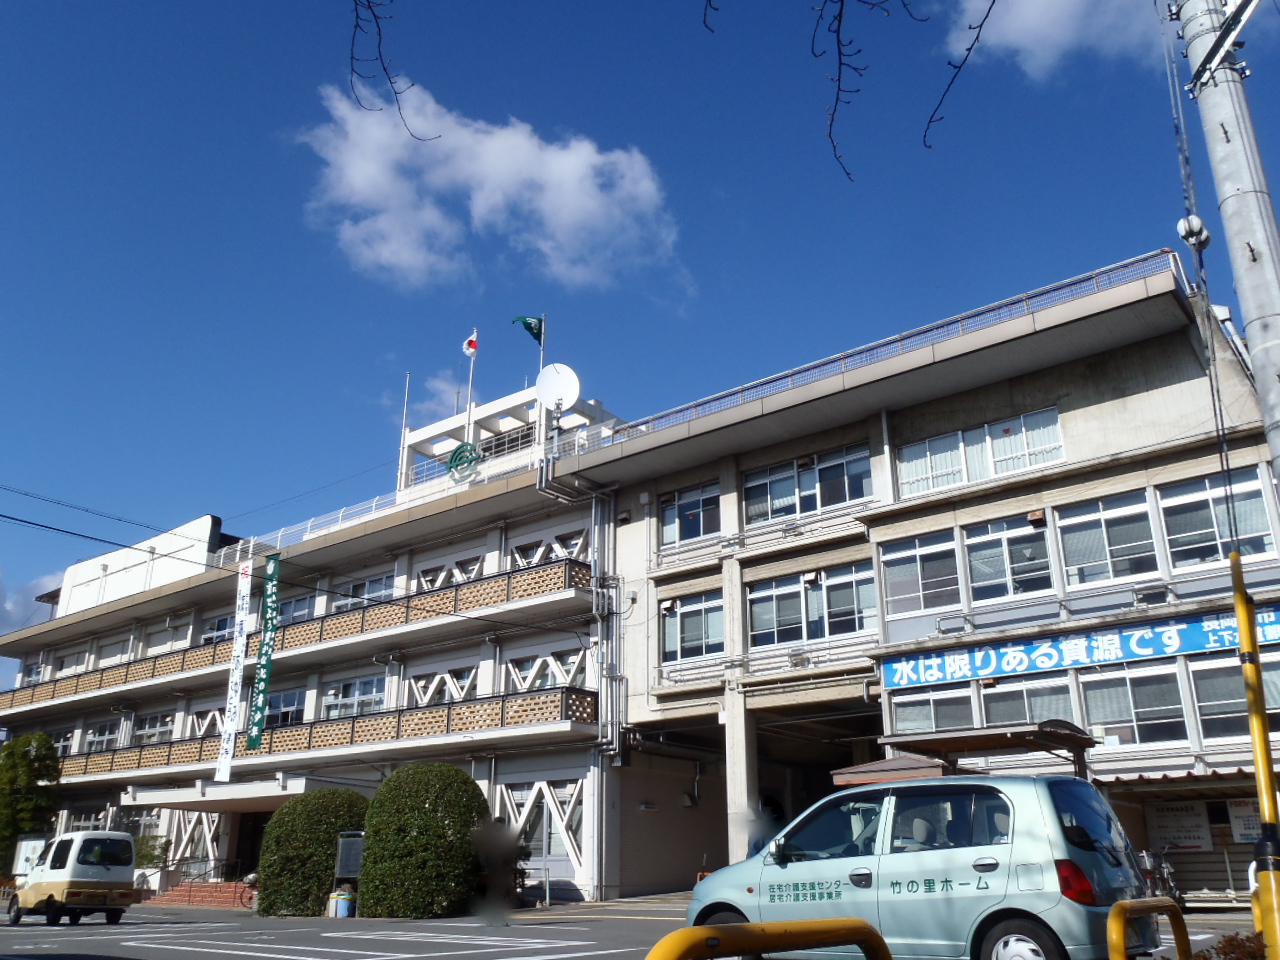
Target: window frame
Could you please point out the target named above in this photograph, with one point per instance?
(804, 476)
(1103, 514)
(362, 701)
(1025, 686)
(894, 552)
(278, 715)
(1205, 664)
(701, 501)
(288, 612)
(1012, 528)
(939, 694)
(146, 732)
(1142, 670)
(963, 446)
(104, 741)
(807, 585)
(218, 629)
(1243, 481)
(674, 611)
(358, 594)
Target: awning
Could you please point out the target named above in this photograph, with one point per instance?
(1047, 736)
(904, 766)
(1215, 785)
(242, 797)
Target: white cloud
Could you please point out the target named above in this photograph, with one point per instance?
(18, 607)
(445, 395)
(406, 210)
(1039, 34)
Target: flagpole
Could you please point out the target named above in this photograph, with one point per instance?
(471, 379)
(542, 345)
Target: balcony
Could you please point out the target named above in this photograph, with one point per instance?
(373, 730)
(519, 585)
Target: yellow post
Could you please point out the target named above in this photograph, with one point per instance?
(746, 939)
(1118, 924)
(1267, 850)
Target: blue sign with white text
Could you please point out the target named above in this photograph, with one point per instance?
(1136, 641)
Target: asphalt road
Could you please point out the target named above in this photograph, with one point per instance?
(619, 930)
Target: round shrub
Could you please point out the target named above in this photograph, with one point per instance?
(299, 848)
(419, 859)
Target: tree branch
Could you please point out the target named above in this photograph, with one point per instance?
(935, 117)
(366, 30)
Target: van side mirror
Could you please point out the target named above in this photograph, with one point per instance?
(778, 850)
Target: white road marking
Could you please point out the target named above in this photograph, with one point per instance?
(460, 940)
(363, 954)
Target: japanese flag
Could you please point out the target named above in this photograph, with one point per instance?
(469, 344)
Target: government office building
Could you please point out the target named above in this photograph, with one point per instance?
(653, 641)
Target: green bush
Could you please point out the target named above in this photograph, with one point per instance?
(150, 852)
(299, 848)
(419, 860)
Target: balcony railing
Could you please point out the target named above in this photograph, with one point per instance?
(459, 598)
(463, 716)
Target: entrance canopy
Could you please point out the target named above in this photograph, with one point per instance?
(243, 797)
(1047, 736)
(904, 766)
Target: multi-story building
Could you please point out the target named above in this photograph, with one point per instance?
(651, 640)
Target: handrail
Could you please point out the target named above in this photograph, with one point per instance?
(742, 939)
(1122, 910)
(443, 602)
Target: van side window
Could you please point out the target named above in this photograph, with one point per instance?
(44, 854)
(845, 827)
(942, 819)
(61, 853)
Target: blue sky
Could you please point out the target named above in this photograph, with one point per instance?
(218, 269)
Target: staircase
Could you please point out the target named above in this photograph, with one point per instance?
(201, 893)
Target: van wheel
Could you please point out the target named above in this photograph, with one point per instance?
(15, 912)
(1020, 940)
(73, 917)
(52, 915)
(113, 916)
(721, 917)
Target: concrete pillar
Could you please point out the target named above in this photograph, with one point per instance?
(741, 772)
(323, 600)
(404, 578)
(730, 502)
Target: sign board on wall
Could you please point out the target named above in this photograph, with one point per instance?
(1178, 826)
(1246, 822)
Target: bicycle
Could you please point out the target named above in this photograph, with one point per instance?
(249, 892)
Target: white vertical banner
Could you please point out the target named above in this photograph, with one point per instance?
(235, 678)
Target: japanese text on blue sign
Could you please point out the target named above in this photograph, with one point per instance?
(1139, 641)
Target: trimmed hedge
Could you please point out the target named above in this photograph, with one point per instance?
(299, 847)
(419, 859)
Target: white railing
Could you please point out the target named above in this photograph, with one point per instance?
(772, 659)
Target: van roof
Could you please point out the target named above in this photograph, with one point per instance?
(96, 834)
(977, 779)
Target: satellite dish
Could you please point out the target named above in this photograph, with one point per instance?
(558, 386)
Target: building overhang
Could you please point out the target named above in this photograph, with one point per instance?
(1216, 785)
(236, 797)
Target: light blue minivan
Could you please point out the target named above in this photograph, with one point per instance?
(970, 867)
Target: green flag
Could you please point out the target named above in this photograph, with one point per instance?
(266, 648)
(533, 325)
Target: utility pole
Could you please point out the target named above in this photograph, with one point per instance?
(1210, 29)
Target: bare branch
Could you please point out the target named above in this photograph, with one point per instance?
(367, 17)
(709, 8)
(936, 117)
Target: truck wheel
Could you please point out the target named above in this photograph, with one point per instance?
(113, 916)
(52, 915)
(73, 917)
(15, 912)
(1020, 940)
(721, 917)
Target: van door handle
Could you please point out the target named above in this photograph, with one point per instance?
(860, 877)
(986, 864)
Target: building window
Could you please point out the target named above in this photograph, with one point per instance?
(32, 673)
(693, 626)
(1133, 708)
(1198, 525)
(1049, 699)
(296, 610)
(807, 484)
(285, 708)
(62, 741)
(352, 698)
(945, 708)
(219, 629)
(68, 664)
(991, 450)
(1220, 697)
(155, 728)
(690, 514)
(361, 593)
(100, 737)
(1006, 557)
(832, 602)
(920, 574)
(1107, 539)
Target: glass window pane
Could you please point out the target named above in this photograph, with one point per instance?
(1008, 446)
(1005, 706)
(953, 713)
(945, 461)
(1084, 552)
(858, 477)
(939, 579)
(1107, 701)
(782, 496)
(914, 717)
(987, 570)
(913, 468)
(757, 500)
(977, 460)
(901, 585)
(831, 484)
(1049, 703)
(1029, 563)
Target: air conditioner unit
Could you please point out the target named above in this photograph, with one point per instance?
(804, 463)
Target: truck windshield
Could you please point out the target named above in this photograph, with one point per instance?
(1088, 823)
(106, 852)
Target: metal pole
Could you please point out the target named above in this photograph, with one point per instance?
(1244, 203)
(1267, 849)
(542, 344)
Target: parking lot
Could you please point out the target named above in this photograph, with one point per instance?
(622, 928)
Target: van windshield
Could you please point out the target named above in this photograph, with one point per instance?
(106, 852)
(1088, 822)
